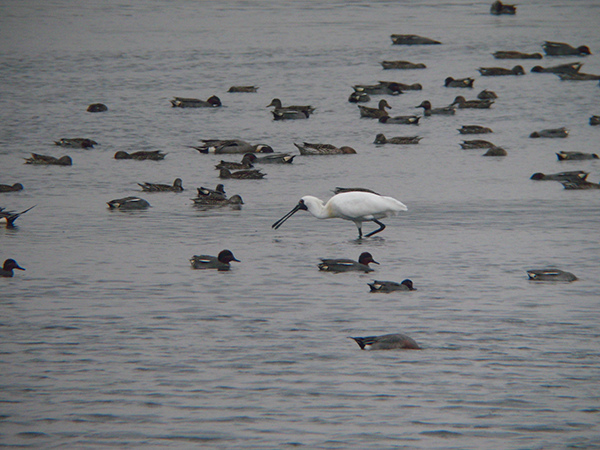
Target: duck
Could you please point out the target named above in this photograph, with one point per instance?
(495, 151)
(595, 120)
(49, 160)
(234, 201)
(8, 267)
(217, 193)
(405, 120)
(398, 140)
(8, 188)
(348, 265)
(459, 83)
(382, 88)
(578, 76)
(463, 103)
(399, 87)
(374, 113)
(516, 55)
(128, 203)
(562, 49)
(500, 8)
(241, 174)
(551, 133)
(571, 176)
(97, 107)
(323, 149)
(561, 68)
(153, 187)
(550, 275)
(474, 129)
(571, 185)
(76, 143)
(182, 102)
(243, 89)
(359, 97)
(274, 158)
(386, 287)
(487, 95)
(155, 155)
(476, 143)
(500, 71)
(412, 39)
(245, 164)
(396, 341)
(220, 262)
(289, 114)
(575, 156)
(220, 146)
(307, 109)
(429, 111)
(9, 217)
(404, 65)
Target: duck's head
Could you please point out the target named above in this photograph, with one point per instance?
(11, 264)
(584, 50)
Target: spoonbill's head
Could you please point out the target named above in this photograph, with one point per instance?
(300, 206)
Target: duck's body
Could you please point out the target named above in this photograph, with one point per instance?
(397, 140)
(209, 194)
(550, 275)
(76, 143)
(289, 114)
(222, 146)
(575, 156)
(464, 103)
(562, 49)
(500, 8)
(403, 120)
(241, 174)
(359, 97)
(474, 129)
(234, 201)
(397, 341)
(355, 206)
(500, 71)
(274, 158)
(220, 262)
(128, 203)
(276, 103)
(573, 185)
(9, 217)
(97, 107)
(49, 160)
(578, 76)
(551, 133)
(378, 89)
(143, 155)
(386, 287)
(177, 186)
(402, 65)
(459, 83)
(348, 265)
(8, 267)
(595, 120)
(243, 89)
(183, 102)
(574, 176)
(516, 55)
(476, 143)
(375, 113)
(412, 39)
(561, 68)
(430, 111)
(495, 151)
(8, 188)
(245, 164)
(323, 149)
(487, 95)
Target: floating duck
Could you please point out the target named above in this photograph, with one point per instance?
(49, 160)
(375, 113)
(220, 146)
(578, 76)
(348, 265)
(8, 267)
(551, 133)
(403, 65)
(128, 203)
(474, 129)
(395, 341)
(382, 88)
(323, 149)
(412, 39)
(243, 89)
(274, 158)
(561, 68)
(516, 55)
(182, 102)
(142, 155)
(76, 143)
(8, 188)
(500, 8)
(307, 109)
(245, 164)
(398, 140)
(572, 176)
(495, 151)
(463, 103)
(595, 120)
(429, 111)
(386, 287)
(500, 71)
(241, 174)
(562, 49)
(289, 114)
(217, 193)
(404, 120)
(550, 275)
(476, 143)
(460, 83)
(359, 97)
(580, 185)
(97, 107)
(153, 187)
(487, 95)
(235, 201)
(220, 262)
(9, 217)
(575, 156)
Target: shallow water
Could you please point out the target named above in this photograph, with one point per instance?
(110, 339)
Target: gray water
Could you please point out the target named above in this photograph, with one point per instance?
(110, 340)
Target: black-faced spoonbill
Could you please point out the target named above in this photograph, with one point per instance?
(356, 206)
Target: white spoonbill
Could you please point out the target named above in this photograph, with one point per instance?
(356, 206)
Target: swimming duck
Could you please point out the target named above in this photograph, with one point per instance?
(386, 287)
(399, 140)
(182, 102)
(243, 89)
(499, 71)
(348, 265)
(551, 133)
(217, 193)
(245, 164)
(241, 174)
(359, 97)
(220, 262)
(142, 155)
(382, 88)
(76, 143)
(580, 185)
(429, 111)
(49, 160)
(474, 129)
(575, 156)
(323, 149)
(578, 76)
(307, 109)
(550, 275)
(153, 187)
(561, 68)
(7, 268)
(412, 39)
(289, 114)
(14, 188)
(9, 217)
(235, 201)
(595, 120)
(516, 55)
(395, 341)
(220, 146)
(476, 143)
(405, 120)
(374, 113)
(495, 151)
(128, 203)
(404, 65)
(561, 49)
(500, 8)
(97, 107)
(487, 95)
(274, 158)
(460, 83)
(572, 176)
(463, 103)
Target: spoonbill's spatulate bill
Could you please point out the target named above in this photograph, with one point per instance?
(356, 206)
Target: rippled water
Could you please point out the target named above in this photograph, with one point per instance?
(109, 339)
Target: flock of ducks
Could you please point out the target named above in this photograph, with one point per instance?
(354, 204)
